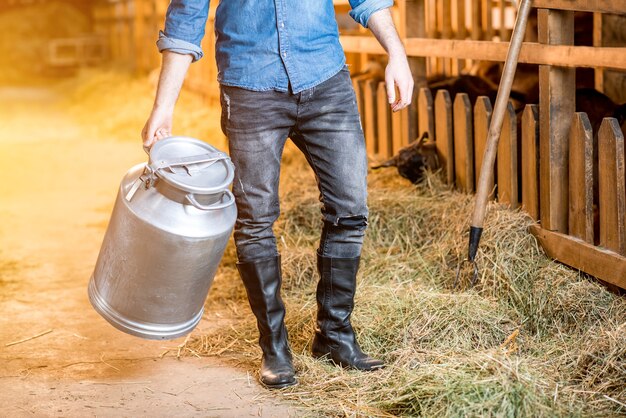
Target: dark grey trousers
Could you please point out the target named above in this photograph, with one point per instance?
(324, 124)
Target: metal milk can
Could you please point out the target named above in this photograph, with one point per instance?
(170, 225)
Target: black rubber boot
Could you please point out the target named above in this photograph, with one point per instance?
(334, 336)
(262, 280)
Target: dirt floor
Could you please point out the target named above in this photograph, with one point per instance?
(57, 187)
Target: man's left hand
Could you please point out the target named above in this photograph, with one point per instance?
(398, 74)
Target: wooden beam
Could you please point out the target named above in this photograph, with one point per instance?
(557, 104)
(599, 262)
(531, 52)
(605, 6)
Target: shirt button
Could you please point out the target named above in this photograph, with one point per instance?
(284, 55)
(282, 25)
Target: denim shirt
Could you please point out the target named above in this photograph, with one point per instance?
(266, 44)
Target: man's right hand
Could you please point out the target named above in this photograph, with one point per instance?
(159, 124)
(157, 127)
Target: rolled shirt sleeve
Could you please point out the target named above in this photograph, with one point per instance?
(363, 9)
(185, 24)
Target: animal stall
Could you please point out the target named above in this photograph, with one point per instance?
(565, 168)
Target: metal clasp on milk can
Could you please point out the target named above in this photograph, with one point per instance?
(168, 231)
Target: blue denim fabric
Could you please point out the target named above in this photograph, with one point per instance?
(324, 123)
(266, 44)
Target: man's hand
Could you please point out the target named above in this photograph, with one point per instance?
(173, 71)
(398, 73)
(157, 127)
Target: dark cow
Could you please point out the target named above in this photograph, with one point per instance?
(412, 160)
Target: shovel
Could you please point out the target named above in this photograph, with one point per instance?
(495, 128)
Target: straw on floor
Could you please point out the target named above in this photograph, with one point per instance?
(533, 338)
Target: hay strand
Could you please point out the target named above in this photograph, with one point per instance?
(41, 334)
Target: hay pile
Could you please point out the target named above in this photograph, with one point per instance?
(534, 338)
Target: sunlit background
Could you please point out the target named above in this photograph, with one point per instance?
(77, 81)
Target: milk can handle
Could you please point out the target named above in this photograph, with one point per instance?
(191, 198)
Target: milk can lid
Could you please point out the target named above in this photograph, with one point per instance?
(191, 165)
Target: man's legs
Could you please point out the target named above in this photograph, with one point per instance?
(330, 135)
(257, 125)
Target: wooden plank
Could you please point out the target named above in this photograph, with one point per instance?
(396, 132)
(530, 160)
(611, 186)
(604, 6)
(439, 22)
(502, 31)
(507, 160)
(487, 19)
(581, 178)
(370, 115)
(477, 27)
(604, 264)
(415, 19)
(446, 31)
(597, 42)
(383, 146)
(482, 119)
(461, 30)
(531, 52)
(557, 104)
(444, 136)
(425, 116)
(446, 10)
(431, 16)
(463, 147)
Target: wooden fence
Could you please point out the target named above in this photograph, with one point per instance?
(594, 240)
(553, 177)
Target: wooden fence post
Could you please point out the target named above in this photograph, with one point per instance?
(507, 160)
(444, 133)
(482, 119)
(611, 186)
(581, 178)
(384, 146)
(556, 106)
(426, 121)
(463, 147)
(397, 141)
(530, 160)
(369, 114)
